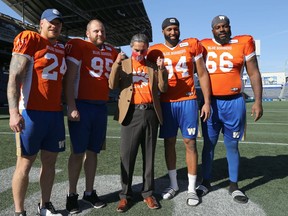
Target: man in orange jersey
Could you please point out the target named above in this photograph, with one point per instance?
(139, 82)
(225, 59)
(179, 103)
(86, 88)
(34, 96)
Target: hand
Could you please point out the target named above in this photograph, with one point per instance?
(121, 56)
(17, 123)
(257, 111)
(205, 112)
(160, 62)
(73, 114)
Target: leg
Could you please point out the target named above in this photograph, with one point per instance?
(74, 168)
(191, 161)
(210, 142)
(170, 158)
(20, 180)
(208, 156)
(90, 166)
(191, 155)
(233, 158)
(148, 152)
(47, 175)
(128, 154)
(170, 153)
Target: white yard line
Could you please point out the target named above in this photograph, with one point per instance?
(179, 139)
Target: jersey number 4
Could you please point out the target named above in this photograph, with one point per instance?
(49, 72)
(181, 67)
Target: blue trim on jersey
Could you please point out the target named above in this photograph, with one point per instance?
(180, 114)
(90, 132)
(43, 130)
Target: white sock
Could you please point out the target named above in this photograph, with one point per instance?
(173, 179)
(192, 183)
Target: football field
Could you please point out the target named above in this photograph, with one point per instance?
(263, 173)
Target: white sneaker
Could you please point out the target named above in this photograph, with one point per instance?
(47, 210)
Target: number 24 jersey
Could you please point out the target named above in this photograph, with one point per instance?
(42, 86)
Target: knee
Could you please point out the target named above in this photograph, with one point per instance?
(190, 145)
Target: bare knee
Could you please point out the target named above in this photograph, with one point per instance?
(190, 145)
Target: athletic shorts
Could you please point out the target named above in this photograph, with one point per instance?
(228, 115)
(183, 115)
(43, 130)
(90, 132)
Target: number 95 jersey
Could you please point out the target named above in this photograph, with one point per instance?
(94, 67)
(42, 85)
(225, 63)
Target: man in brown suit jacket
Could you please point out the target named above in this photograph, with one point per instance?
(140, 82)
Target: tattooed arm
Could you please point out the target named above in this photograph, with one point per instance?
(17, 71)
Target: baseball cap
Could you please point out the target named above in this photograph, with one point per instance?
(50, 14)
(170, 21)
(220, 19)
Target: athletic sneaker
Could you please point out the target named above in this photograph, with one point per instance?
(93, 200)
(72, 205)
(47, 210)
(23, 213)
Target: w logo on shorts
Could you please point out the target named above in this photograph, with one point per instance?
(61, 144)
(191, 131)
(236, 135)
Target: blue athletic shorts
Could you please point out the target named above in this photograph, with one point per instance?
(90, 132)
(43, 130)
(183, 115)
(228, 115)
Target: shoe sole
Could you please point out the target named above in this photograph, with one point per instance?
(74, 212)
(97, 207)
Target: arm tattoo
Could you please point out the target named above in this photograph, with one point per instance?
(17, 71)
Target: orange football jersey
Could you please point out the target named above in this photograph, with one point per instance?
(94, 68)
(225, 63)
(179, 62)
(42, 85)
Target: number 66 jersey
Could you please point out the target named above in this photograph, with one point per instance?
(225, 63)
(42, 85)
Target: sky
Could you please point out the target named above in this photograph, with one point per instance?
(266, 21)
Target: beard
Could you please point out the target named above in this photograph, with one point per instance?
(223, 40)
(173, 42)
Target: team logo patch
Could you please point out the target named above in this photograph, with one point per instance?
(184, 44)
(236, 134)
(191, 131)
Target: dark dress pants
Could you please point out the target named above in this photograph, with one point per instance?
(139, 128)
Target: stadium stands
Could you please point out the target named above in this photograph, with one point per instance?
(271, 93)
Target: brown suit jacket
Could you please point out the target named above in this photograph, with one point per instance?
(121, 77)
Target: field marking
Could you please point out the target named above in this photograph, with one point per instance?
(263, 123)
(217, 202)
(179, 139)
(6, 176)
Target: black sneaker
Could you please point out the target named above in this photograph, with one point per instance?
(23, 213)
(72, 205)
(93, 200)
(48, 209)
